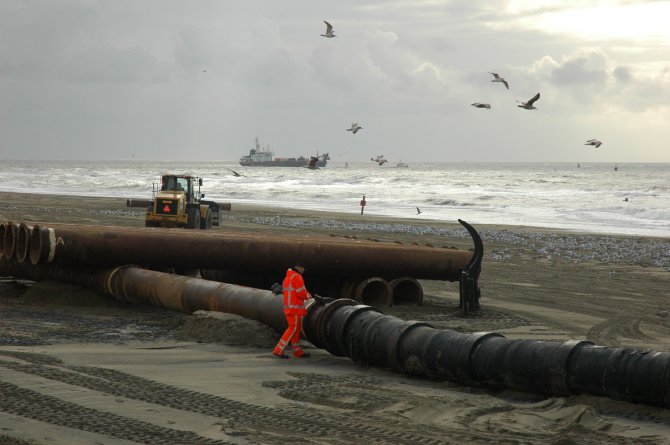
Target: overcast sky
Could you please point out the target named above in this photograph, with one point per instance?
(199, 79)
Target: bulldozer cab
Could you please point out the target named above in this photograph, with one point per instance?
(176, 183)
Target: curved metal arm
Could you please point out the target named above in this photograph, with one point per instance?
(469, 280)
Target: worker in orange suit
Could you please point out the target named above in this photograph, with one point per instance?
(295, 295)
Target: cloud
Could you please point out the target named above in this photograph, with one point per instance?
(583, 67)
(106, 64)
(623, 74)
(589, 77)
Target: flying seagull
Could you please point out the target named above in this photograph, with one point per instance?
(329, 31)
(235, 173)
(379, 159)
(529, 105)
(499, 79)
(478, 105)
(354, 128)
(594, 142)
(418, 211)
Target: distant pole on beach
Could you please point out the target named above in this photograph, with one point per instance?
(363, 204)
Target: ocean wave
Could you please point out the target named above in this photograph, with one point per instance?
(528, 194)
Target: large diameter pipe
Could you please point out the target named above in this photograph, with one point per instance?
(406, 290)
(175, 292)
(345, 328)
(364, 334)
(23, 235)
(3, 227)
(9, 239)
(105, 246)
(185, 294)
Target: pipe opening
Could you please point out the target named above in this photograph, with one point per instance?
(22, 242)
(9, 240)
(2, 240)
(374, 291)
(406, 290)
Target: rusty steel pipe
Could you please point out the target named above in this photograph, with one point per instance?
(175, 292)
(373, 291)
(132, 202)
(39, 241)
(3, 227)
(406, 290)
(185, 294)
(9, 239)
(104, 246)
(23, 242)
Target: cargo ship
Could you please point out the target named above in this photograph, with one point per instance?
(264, 157)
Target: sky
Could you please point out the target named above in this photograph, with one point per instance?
(200, 79)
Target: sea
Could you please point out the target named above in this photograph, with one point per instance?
(603, 198)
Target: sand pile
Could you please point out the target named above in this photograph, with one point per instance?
(227, 329)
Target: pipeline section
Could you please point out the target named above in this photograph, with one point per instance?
(345, 328)
(108, 246)
(370, 290)
(362, 333)
(175, 292)
(113, 246)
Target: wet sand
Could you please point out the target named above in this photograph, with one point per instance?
(77, 368)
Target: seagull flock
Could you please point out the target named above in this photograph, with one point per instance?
(527, 105)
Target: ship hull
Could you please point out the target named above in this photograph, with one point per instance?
(290, 162)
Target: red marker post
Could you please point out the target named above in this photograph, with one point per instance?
(363, 204)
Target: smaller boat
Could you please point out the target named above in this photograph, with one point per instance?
(401, 164)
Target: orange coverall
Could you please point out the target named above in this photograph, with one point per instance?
(295, 295)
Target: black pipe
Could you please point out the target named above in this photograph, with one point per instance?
(346, 328)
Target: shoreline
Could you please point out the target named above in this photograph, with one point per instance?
(253, 208)
(566, 245)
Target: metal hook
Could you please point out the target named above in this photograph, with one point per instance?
(469, 280)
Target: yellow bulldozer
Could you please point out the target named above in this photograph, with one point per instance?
(177, 203)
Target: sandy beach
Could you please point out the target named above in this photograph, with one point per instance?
(78, 368)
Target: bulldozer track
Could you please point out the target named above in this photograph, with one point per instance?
(629, 328)
(355, 410)
(31, 404)
(264, 424)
